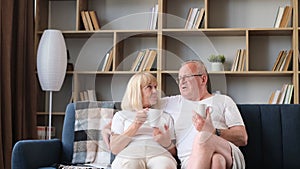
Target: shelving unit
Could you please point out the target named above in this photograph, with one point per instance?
(228, 26)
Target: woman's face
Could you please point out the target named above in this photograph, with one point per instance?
(149, 95)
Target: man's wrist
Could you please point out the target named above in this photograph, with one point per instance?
(218, 132)
(169, 146)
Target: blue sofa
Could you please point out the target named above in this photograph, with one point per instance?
(273, 130)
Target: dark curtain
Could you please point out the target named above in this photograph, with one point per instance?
(17, 76)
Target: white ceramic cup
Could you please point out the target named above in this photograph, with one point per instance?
(201, 110)
(153, 118)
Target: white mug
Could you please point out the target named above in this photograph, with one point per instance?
(153, 118)
(201, 110)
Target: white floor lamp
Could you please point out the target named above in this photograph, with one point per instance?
(51, 64)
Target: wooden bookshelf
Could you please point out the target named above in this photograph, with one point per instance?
(124, 30)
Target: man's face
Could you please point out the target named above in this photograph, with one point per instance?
(190, 82)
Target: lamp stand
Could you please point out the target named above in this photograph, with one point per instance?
(50, 115)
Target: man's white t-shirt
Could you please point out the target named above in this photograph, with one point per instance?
(224, 114)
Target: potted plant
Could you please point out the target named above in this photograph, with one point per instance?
(217, 62)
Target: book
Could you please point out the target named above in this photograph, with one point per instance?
(188, 18)
(271, 98)
(282, 94)
(199, 18)
(287, 14)
(241, 58)
(150, 60)
(289, 94)
(52, 132)
(236, 60)
(288, 59)
(195, 20)
(81, 96)
(146, 55)
(151, 18)
(85, 95)
(281, 61)
(277, 60)
(279, 16)
(92, 95)
(94, 19)
(191, 19)
(105, 61)
(155, 16)
(276, 96)
(89, 21)
(109, 61)
(136, 64)
(41, 132)
(84, 21)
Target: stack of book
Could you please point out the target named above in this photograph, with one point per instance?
(283, 18)
(42, 132)
(153, 17)
(88, 95)
(107, 63)
(239, 61)
(195, 18)
(144, 60)
(282, 96)
(283, 61)
(90, 20)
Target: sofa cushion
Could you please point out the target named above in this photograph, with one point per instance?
(90, 119)
(68, 128)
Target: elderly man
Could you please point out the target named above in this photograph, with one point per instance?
(211, 141)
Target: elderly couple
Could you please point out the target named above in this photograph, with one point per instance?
(210, 142)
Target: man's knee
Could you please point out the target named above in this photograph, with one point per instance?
(218, 161)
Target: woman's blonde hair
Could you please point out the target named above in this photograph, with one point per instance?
(132, 99)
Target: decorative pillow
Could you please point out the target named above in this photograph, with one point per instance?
(89, 147)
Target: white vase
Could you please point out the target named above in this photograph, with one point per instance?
(217, 66)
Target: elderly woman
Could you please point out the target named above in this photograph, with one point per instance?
(137, 144)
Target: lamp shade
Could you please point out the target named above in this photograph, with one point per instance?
(51, 60)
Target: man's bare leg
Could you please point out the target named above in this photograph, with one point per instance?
(210, 151)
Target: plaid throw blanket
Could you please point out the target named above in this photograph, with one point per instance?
(89, 147)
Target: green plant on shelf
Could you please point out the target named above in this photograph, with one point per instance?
(217, 58)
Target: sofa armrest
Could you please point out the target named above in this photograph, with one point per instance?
(28, 154)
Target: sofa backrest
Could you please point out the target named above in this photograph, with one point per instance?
(273, 136)
(68, 134)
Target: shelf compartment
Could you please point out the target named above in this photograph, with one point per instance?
(132, 16)
(175, 12)
(240, 14)
(56, 14)
(264, 50)
(128, 46)
(107, 86)
(178, 48)
(248, 90)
